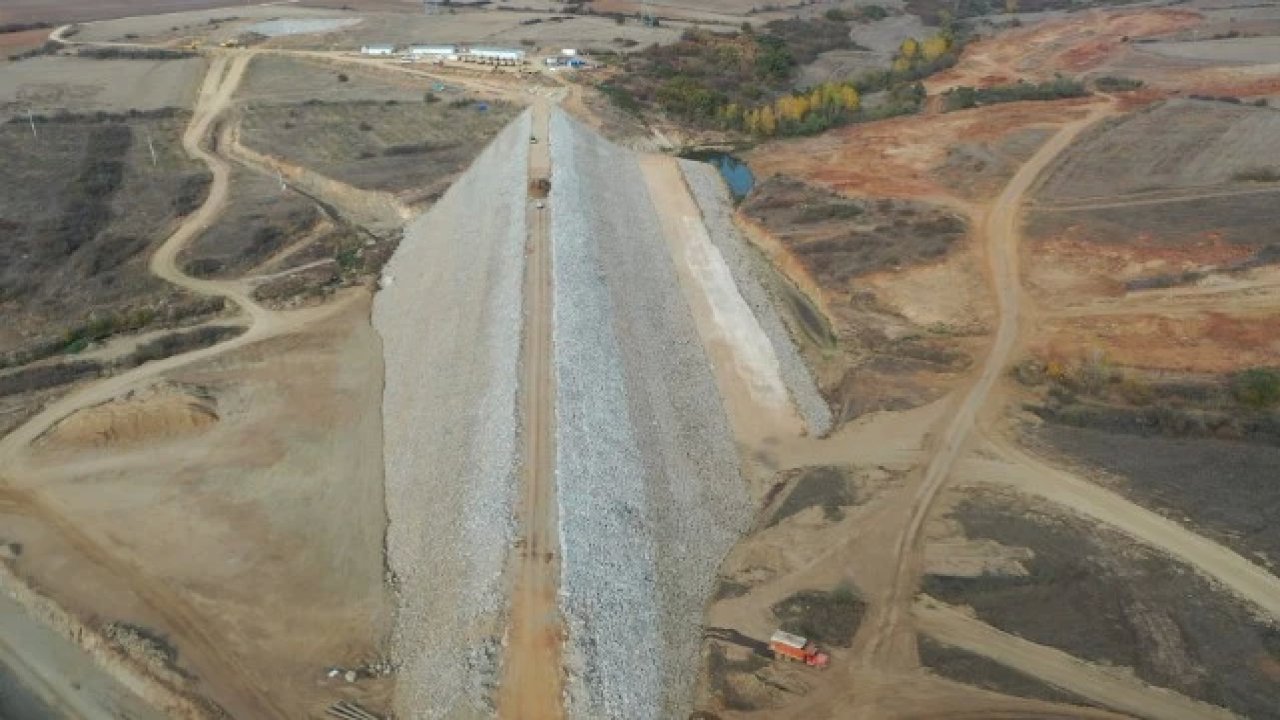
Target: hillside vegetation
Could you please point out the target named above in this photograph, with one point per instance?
(746, 80)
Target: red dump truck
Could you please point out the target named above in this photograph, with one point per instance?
(787, 646)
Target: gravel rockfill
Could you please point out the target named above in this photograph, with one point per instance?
(647, 473)
(744, 262)
(451, 320)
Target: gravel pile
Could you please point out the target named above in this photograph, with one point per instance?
(648, 485)
(450, 317)
(745, 263)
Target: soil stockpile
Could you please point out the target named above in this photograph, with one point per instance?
(647, 475)
(451, 322)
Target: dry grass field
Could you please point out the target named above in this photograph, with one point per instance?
(86, 207)
(49, 84)
(387, 146)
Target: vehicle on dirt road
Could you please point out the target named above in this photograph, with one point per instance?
(786, 646)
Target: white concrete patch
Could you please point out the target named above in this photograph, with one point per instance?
(736, 325)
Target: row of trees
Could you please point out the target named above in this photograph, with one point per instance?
(962, 97)
(799, 113)
(915, 53)
(832, 104)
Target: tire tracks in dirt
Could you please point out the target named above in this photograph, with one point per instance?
(532, 684)
(889, 618)
(1029, 475)
(1114, 688)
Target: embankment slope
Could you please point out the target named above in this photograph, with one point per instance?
(649, 490)
(450, 322)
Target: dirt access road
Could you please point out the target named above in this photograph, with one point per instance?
(889, 619)
(532, 683)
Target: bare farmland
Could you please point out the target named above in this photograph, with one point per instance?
(51, 84)
(1176, 145)
(387, 146)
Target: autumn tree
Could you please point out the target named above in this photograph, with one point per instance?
(768, 123)
(934, 47)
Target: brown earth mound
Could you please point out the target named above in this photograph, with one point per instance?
(165, 411)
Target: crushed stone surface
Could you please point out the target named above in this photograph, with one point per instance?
(450, 316)
(648, 483)
(745, 264)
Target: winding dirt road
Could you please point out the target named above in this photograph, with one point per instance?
(1000, 230)
(215, 663)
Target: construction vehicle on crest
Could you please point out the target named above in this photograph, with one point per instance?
(787, 646)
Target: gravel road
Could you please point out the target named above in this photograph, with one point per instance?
(451, 322)
(648, 485)
(744, 262)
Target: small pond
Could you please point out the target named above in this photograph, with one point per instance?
(737, 175)
(278, 28)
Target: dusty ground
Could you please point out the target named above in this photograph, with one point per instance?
(48, 84)
(244, 458)
(1157, 281)
(547, 27)
(376, 146)
(1091, 593)
(88, 204)
(1096, 303)
(237, 433)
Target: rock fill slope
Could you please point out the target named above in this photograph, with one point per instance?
(450, 322)
(648, 481)
(744, 262)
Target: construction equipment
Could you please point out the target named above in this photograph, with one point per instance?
(786, 646)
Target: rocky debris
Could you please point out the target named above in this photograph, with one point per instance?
(650, 496)
(451, 328)
(744, 262)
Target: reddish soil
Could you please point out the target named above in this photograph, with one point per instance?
(14, 42)
(1071, 45)
(1211, 342)
(899, 157)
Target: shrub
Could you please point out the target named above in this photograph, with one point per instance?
(1111, 83)
(182, 342)
(1257, 174)
(1257, 387)
(112, 53)
(190, 192)
(963, 97)
(871, 13)
(47, 376)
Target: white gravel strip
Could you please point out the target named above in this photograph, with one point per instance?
(278, 28)
(450, 317)
(648, 485)
(744, 262)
